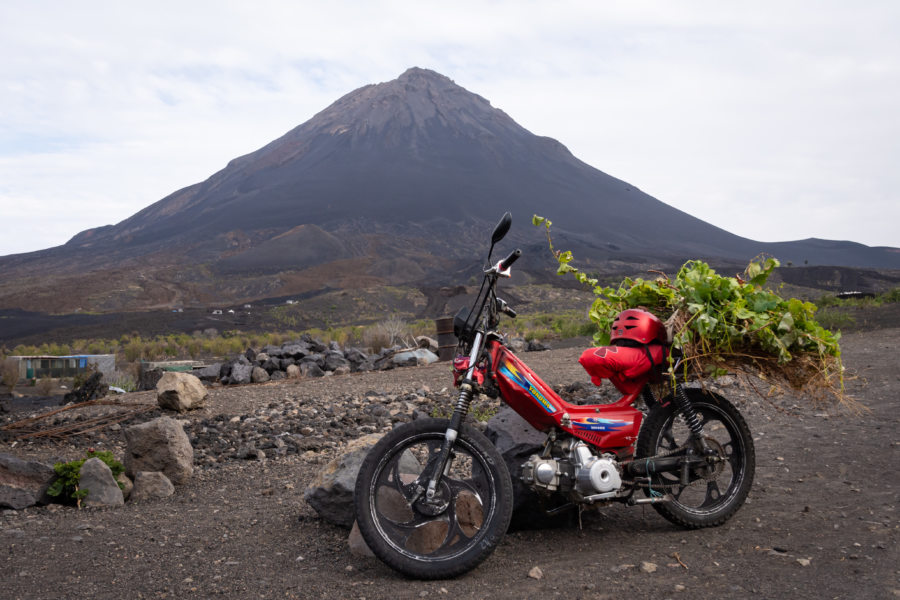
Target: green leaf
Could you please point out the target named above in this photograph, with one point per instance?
(787, 322)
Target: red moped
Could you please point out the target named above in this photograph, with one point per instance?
(434, 497)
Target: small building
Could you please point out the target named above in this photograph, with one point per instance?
(40, 367)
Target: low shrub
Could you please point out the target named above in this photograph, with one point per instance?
(44, 386)
(123, 380)
(9, 373)
(835, 319)
(387, 333)
(68, 474)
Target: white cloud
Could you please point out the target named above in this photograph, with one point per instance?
(775, 121)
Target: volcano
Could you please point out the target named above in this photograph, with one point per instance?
(396, 183)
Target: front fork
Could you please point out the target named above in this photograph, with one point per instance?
(463, 401)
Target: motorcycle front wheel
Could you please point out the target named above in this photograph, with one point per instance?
(455, 531)
(715, 492)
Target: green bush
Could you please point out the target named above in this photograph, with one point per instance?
(891, 296)
(68, 474)
(721, 321)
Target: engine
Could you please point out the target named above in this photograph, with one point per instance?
(575, 469)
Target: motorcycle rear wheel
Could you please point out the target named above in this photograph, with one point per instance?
(442, 539)
(714, 493)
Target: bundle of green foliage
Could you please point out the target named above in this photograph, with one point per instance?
(69, 473)
(726, 324)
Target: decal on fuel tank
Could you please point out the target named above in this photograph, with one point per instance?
(512, 373)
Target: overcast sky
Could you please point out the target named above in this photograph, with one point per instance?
(774, 120)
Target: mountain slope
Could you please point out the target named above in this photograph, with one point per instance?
(394, 183)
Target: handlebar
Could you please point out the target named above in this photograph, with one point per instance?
(503, 307)
(507, 262)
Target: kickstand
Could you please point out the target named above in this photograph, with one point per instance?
(580, 510)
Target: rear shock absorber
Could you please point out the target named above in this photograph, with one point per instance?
(687, 411)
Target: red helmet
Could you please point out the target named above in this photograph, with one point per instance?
(638, 325)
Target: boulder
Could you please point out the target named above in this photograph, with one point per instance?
(516, 440)
(295, 350)
(317, 358)
(259, 375)
(273, 351)
(271, 365)
(225, 371)
(358, 546)
(293, 371)
(210, 373)
(333, 360)
(180, 391)
(149, 378)
(355, 356)
(518, 345)
(363, 367)
(127, 485)
(159, 445)
(331, 492)
(411, 358)
(91, 389)
(536, 346)
(97, 478)
(240, 373)
(24, 483)
(423, 341)
(151, 485)
(314, 344)
(311, 369)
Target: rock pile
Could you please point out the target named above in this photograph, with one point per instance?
(309, 357)
(290, 424)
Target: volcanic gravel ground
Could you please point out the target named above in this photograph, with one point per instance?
(821, 520)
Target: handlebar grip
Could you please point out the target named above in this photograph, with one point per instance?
(509, 260)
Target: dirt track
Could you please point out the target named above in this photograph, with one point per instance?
(826, 492)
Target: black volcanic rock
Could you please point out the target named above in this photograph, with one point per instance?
(397, 182)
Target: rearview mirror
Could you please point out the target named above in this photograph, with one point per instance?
(502, 228)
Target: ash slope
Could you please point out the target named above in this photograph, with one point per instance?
(395, 183)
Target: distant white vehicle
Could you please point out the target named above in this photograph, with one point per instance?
(217, 311)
